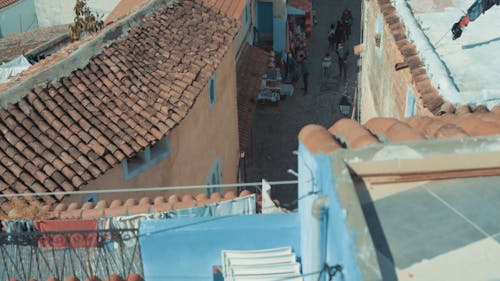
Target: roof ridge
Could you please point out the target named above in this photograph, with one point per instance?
(350, 134)
(131, 206)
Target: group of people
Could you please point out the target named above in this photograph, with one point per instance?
(337, 36)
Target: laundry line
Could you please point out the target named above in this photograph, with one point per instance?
(143, 189)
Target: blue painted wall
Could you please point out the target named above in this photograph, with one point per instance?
(328, 240)
(187, 248)
(279, 34)
(265, 17)
(18, 17)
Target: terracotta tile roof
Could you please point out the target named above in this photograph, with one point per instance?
(304, 5)
(251, 66)
(131, 206)
(231, 8)
(5, 3)
(13, 45)
(431, 99)
(111, 277)
(352, 135)
(63, 134)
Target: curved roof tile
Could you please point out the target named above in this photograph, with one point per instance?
(129, 207)
(352, 133)
(5, 3)
(317, 139)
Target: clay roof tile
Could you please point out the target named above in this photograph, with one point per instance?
(462, 109)
(448, 131)
(76, 128)
(495, 109)
(115, 203)
(114, 277)
(60, 207)
(215, 197)
(230, 195)
(159, 200)
(187, 198)
(380, 125)
(134, 277)
(401, 132)
(318, 139)
(352, 133)
(245, 192)
(173, 198)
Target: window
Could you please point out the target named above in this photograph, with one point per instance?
(410, 103)
(214, 177)
(379, 38)
(247, 13)
(94, 198)
(211, 90)
(146, 158)
(160, 150)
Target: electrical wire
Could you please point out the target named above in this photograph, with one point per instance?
(143, 189)
(330, 270)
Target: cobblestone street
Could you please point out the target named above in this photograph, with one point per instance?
(276, 128)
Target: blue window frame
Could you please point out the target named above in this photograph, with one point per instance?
(410, 103)
(214, 178)
(211, 91)
(379, 38)
(93, 197)
(247, 13)
(145, 159)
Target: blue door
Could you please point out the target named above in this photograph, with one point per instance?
(265, 21)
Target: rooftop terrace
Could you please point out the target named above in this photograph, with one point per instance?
(435, 230)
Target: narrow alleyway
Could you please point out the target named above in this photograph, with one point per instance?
(276, 128)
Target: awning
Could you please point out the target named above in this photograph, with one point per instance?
(292, 11)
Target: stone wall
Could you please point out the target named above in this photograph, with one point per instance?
(392, 68)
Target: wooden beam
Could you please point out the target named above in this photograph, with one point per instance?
(427, 176)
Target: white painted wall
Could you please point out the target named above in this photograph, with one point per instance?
(18, 17)
(56, 12)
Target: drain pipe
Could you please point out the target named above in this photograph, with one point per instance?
(319, 214)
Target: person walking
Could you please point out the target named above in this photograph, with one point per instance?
(292, 68)
(326, 63)
(342, 54)
(284, 66)
(339, 33)
(305, 73)
(347, 21)
(331, 38)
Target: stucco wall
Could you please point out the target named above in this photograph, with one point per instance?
(245, 27)
(384, 89)
(56, 12)
(18, 17)
(205, 134)
(338, 234)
